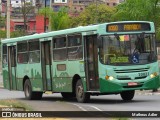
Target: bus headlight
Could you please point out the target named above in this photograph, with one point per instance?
(109, 77)
(153, 75)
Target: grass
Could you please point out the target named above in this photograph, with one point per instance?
(120, 119)
(15, 104)
(35, 119)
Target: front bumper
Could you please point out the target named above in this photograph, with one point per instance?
(107, 86)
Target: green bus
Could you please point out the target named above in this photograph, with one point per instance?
(102, 59)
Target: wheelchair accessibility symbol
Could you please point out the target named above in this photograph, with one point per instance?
(135, 60)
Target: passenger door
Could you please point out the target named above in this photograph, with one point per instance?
(91, 62)
(46, 64)
(12, 67)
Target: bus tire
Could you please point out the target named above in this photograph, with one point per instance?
(29, 94)
(67, 95)
(81, 96)
(127, 95)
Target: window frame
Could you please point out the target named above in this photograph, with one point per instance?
(34, 51)
(59, 48)
(22, 52)
(4, 54)
(76, 46)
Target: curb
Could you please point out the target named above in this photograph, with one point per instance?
(1, 85)
(147, 92)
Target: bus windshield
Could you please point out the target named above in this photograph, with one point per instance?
(128, 49)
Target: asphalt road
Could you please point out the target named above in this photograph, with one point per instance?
(55, 102)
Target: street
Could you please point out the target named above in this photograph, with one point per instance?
(54, 102)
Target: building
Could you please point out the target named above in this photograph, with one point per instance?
(17, 19)
(35, 24)
(18, 3)
(87, 2)
(113, 2)
(73, 5)
(77, 6)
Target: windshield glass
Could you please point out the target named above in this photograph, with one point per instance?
(128, 49)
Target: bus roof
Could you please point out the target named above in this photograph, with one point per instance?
(65, 31)
(53, 33)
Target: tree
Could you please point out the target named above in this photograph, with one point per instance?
(2, 34)
(17, 33)
(138, 10)
(2, 22)
(59, 20)
(94, 14)
(2, 27)
(26, 8)
(144, 10)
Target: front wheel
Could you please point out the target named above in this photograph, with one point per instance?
(127, 95)
(29, 94)
(80, 94)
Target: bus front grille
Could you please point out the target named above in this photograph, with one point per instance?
(132, 70)
(128, 78)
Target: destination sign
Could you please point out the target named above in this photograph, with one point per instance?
(125, 27)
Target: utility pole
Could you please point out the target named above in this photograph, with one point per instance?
(8, 18)
(50, 5)
(24, 16)
(96, 12)
(45, 16)
(0, 6)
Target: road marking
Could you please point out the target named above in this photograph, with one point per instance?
(83, 109)
(95, 108)
(80, 107)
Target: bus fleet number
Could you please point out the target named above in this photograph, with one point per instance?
(143, 74)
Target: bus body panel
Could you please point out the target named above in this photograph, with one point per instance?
(6, 83)
(120, 82)
(33, 72)
(114, 87)
(61, 79)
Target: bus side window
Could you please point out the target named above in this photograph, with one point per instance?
(22, 52)
(75, 49)
(59, 49)
(34, 52)
(4, 55)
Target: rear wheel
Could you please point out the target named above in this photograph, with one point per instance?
(80, 94)
(29, 94)
(127, 95)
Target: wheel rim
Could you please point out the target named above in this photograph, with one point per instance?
(80, 91)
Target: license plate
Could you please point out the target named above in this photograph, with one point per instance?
(132, 83)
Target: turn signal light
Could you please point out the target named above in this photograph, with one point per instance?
(109, 77)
